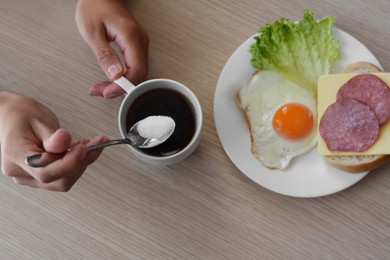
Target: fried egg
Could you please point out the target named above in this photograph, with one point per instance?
(282, 118)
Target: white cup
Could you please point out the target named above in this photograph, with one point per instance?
(133, 97)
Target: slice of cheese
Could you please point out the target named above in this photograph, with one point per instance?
(328, 86)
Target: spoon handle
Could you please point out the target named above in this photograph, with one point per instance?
(43, 159)
(95, 147)
(125, 84)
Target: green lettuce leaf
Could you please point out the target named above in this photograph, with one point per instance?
(302, 51)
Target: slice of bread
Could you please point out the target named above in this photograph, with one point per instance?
(361, 67)
(360, 163)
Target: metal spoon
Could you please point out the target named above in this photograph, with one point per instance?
(133, 138)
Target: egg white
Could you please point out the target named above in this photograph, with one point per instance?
(265, 92)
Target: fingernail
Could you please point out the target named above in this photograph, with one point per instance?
(111, 95)
(84, 141)
(93, 93)
(113, 70)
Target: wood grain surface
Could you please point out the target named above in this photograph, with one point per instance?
(204, 207)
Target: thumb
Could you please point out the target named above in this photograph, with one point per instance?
(106, 57)
(57, 142)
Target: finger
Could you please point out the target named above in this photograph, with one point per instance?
(137, 66)
(112, 90)
(106, 89)
(54, 139)
(137, 71)
(135, 55)
(57, 142)
(11, 169)
(62, 174)
(92, 156)
(75, 159)
(82, 141)
(64, 185)
(105, 54)
(61, 185)
(98, 88)
(64, 167)
(25, 180)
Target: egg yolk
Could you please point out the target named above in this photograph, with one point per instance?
(293, 121)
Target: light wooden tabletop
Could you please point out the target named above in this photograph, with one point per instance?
(204, 207)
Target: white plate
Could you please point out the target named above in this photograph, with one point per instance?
(308, 175)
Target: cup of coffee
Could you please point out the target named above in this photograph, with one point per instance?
(163, 97)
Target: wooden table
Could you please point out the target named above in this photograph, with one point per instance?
(204, 207)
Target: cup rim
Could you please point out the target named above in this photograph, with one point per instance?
(198, 115)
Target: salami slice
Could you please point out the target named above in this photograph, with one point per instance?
(371, 90)
(349, 125)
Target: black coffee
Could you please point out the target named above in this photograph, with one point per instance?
(165, 102)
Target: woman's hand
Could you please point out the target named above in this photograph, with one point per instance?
(28, 127)
(101, 22)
